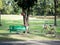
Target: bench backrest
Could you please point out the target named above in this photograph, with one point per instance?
(17, 27)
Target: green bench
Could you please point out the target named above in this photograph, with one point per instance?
(17, 28)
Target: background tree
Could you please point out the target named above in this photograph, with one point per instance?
(44, 7)
(55, 8)
(58, 8)
(26, 5)
(10, 7)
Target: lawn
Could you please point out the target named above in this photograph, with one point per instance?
(35, 26)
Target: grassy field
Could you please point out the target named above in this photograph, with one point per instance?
(35, 26)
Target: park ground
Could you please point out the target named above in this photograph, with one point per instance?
(35, 27)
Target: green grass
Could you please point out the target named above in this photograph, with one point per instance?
(35, 26)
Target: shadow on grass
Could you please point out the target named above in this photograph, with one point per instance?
(49, 37)
(9, 39)
(5, 37)
(58, 35)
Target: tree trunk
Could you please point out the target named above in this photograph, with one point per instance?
(25, 20)
(55, 8)
(55, 21)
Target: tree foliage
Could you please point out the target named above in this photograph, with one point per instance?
(1, 4)
(25, 4)
(9, 7)
(43, 6)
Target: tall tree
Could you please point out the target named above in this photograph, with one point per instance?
(26, 5)
(55, 8)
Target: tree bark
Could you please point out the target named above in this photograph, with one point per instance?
(25, 20)
(55, 8)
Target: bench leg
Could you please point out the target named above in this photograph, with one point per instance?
(17, 31)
